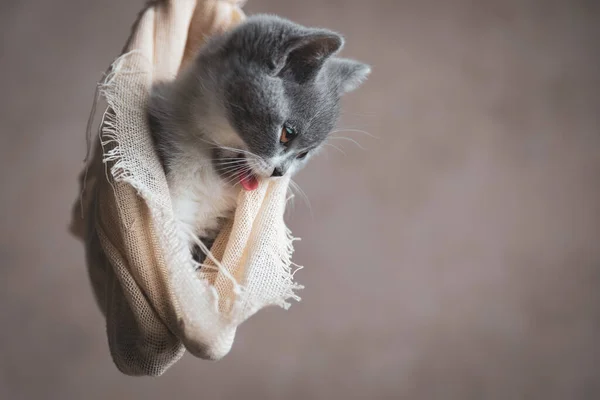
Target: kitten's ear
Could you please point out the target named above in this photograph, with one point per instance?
(302, 56)
(347, 74)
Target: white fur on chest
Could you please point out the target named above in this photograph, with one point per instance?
(200, 198)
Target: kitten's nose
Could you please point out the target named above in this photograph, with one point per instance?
(277, 172)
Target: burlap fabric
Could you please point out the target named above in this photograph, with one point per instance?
(157, 303)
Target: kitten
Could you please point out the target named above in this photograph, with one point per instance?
(256, 103)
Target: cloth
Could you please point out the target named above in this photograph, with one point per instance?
(156, 302)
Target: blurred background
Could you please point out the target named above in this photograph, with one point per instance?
(456, 257)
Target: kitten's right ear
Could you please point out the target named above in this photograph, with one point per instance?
(302, 56)
(347, 74)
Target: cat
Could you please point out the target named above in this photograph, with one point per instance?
(256, 103)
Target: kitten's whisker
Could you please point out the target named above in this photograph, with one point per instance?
(231, 177)
(348, 139)
(254, 164)
(219, 163)
(234, 177)
(294, 185)
(224, 168)
(356, 130)
(230, 168)
(227, 159)
(213, 163)
(233, 149)
(242, 151)
(249, 155)
(221, 166)
(251, 163)
(207, 141)
(235, 172)
(335, 147)
(222, 147)
(231, 158)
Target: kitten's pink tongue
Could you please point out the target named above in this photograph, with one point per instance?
(248, 181)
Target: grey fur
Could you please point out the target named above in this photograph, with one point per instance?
(245, 84)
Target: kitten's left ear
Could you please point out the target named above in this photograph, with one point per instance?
(347, 74)
(303, 55)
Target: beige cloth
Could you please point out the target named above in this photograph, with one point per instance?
(156, 303)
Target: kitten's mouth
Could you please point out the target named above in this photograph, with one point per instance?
(248, 180)
(246, 175)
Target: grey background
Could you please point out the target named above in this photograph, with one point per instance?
(456, 257)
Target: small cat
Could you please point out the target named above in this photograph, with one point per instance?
(255, 103)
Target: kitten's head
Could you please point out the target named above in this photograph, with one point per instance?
(275, 88)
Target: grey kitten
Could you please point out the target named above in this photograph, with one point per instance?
(256, 103)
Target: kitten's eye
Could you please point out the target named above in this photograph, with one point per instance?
(302, 155)
(287, 134)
